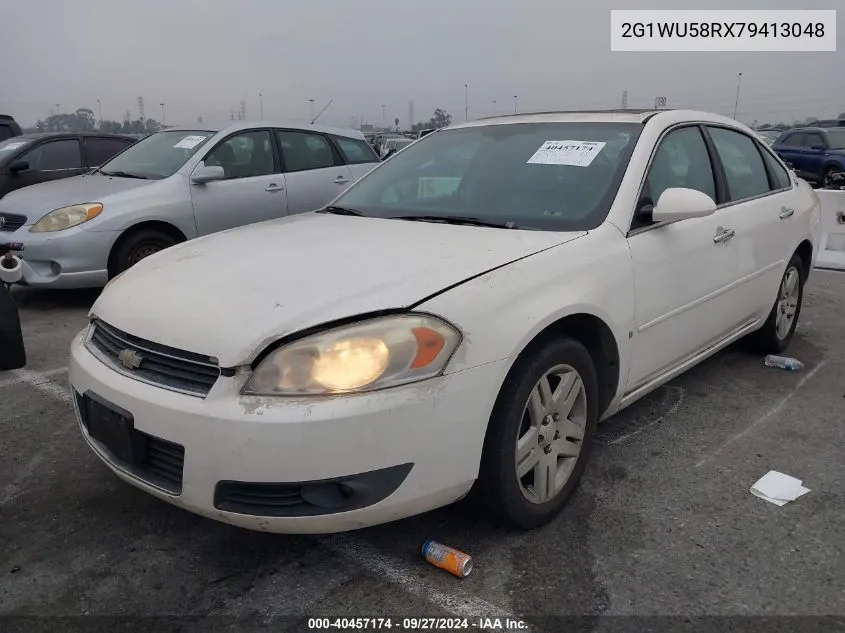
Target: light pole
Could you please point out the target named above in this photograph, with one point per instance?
(311, 101)
(163, 119)
(261, 101)
(57, 108)
(515, 103)
(100, 112)
(736, 103)
(466, 102)
(383, 117)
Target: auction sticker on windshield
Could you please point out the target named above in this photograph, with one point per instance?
(12, 146)
(577, 153)
(190, 142)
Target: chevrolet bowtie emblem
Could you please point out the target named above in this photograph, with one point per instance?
(130, 358)
(2, 221)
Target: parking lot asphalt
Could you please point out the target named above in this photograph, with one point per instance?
(663, 525)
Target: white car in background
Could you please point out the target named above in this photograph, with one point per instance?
(463, 316)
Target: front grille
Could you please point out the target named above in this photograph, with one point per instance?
(11, 222)
(165, 461)
(153, 363)
(260, 499)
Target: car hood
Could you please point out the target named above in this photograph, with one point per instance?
(37, 200)
(230, 294)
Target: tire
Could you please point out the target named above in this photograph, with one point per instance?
(516, 422)
(776, 333)
(135, 246)
(828, 174)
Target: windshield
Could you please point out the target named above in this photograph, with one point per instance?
(157, 156)
(836, 138)
(549, 176)
(11, 144)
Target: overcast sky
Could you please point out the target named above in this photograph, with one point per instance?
(202, 57)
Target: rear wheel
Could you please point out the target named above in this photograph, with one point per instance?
(777, 332)
(539, 435)
(135, 246)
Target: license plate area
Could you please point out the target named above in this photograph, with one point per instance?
(114, 428)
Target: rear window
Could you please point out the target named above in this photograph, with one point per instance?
(355, 150)
(836, 139)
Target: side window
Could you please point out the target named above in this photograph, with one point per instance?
(744, 168)
(54, 155)
(304, 150)
(5, 132)
(813, 138)
(681, 160)
(795, 140)
(99, 150)
(244, 155)
(781, 177)
(355, 151)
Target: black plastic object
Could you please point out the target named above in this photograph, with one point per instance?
(12, 351)
(312, 498)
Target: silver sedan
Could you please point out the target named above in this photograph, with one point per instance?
(173, 186)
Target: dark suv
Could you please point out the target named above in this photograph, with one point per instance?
(33, 158)
(815, 153)
(8, 127)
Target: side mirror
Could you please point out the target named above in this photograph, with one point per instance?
(207, 173)
(678, 203)
(817, 147)
(17, 166)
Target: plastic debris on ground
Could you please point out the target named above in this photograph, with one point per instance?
(778, 488)
(784, 362)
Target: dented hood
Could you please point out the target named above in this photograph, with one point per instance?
(231, 294)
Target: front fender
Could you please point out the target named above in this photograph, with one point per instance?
(502, 312)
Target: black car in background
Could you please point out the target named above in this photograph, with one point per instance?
(30, 159)
(8, 127)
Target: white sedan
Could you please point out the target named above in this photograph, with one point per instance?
(462, 317)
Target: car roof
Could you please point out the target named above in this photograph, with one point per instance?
(600, 116)
(246, 125)
(40, 135)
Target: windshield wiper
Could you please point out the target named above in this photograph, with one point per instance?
(457, 219)
(122, 174)
(340, 211)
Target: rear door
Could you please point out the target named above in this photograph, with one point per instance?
(99, 149)
(314, 170)
(49, 160)
(359, 157)
(253, 190)
(791, 151)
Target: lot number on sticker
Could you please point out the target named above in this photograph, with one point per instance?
(190, 142)
(577, 153)
(12, 146)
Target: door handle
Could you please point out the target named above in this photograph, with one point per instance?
(272, 187)
(341, 180)
(724, 235)
(786, 212)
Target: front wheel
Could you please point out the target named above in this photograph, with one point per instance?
(135, 246)
(829, 175)
(777, 331)
(539, 435)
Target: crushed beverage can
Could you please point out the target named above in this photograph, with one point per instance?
(447, 558)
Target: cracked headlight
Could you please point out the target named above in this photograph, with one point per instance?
(365, 356)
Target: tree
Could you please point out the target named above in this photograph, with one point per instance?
(438, 120)
(841, 115)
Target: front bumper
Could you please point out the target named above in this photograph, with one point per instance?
(73, 258)
(434, 429)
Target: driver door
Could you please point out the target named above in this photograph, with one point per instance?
(684, 272)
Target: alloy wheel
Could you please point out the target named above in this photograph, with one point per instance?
(787, 304)
(551, 433)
